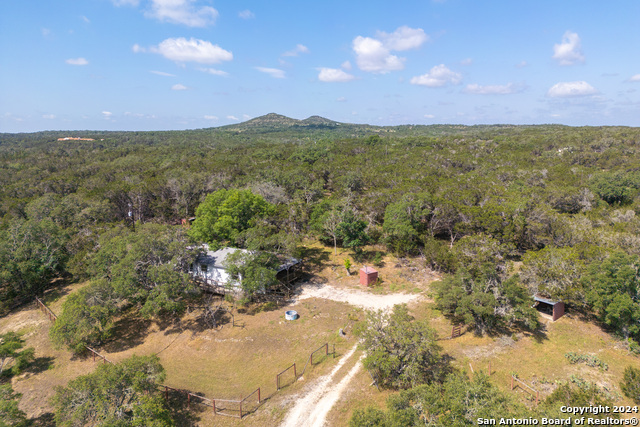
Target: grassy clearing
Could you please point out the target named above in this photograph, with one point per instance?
(395, 275)
(231, 362)
(53, 367)
(538, 359)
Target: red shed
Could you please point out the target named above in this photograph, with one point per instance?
(547, 306)
(368, 276)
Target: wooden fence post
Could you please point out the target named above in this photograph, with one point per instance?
(258, 394)
(295, 374)
(214, 406)
(240, 408)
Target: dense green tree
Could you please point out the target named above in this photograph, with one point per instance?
(405, 222)
(630, 384)
(554, 272)
(613, 288)
(226, 213)
(31, 254)
(255, 271)
(616, 187)
(147, 266)
(484, 301)
(124, 394)
(87, 317)
(12, 354)
(10, 414)
(352, 232)
(401, 352)
(456, 402)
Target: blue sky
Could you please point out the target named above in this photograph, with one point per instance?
(184, 64)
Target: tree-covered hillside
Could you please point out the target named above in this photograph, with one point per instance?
(468, 199)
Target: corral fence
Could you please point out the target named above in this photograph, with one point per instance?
(237, 408)
(279, 383)
(46, 310)
(326, 354)
(456, 331)
(517, 382)
(95, 354)
(226, 407)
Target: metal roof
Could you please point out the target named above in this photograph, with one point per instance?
(540, 298)
(217, 258)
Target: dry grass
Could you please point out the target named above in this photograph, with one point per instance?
(231, 362)
(53, 367)
(227, 363)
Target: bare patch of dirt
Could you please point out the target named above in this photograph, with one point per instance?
(357, 297)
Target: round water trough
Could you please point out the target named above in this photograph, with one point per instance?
(291, 315)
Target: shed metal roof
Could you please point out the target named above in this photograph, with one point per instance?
(540, 298)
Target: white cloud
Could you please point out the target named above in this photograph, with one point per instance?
(107, 115)
(334, 75)
(522, 64)
(179, 87)
(214, 118)
(192, 50)
(429, 116)
(404, 38)
(635, 78)
(77, 61)
(438, 76)
(569, 52)
(85, 19)
(346, 65)
(136, 48)
(507, 89)
(162, 73)
(374, 54)
(48, 116)
(341, 99)
(246, 14)
(182, 12)
(233, 118)
(300, 48)
(571, 90)
(273, 72)
(214, 71)
(466, 62)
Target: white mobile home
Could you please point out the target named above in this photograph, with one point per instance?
(209, 269)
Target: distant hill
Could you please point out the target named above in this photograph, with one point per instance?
(273, 121)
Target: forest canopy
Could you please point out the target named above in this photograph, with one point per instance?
(556, 201)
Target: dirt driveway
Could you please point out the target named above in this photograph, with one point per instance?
(355, 296)
(312, 408)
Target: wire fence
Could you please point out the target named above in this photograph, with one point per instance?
(237, 408)
(517, 382)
